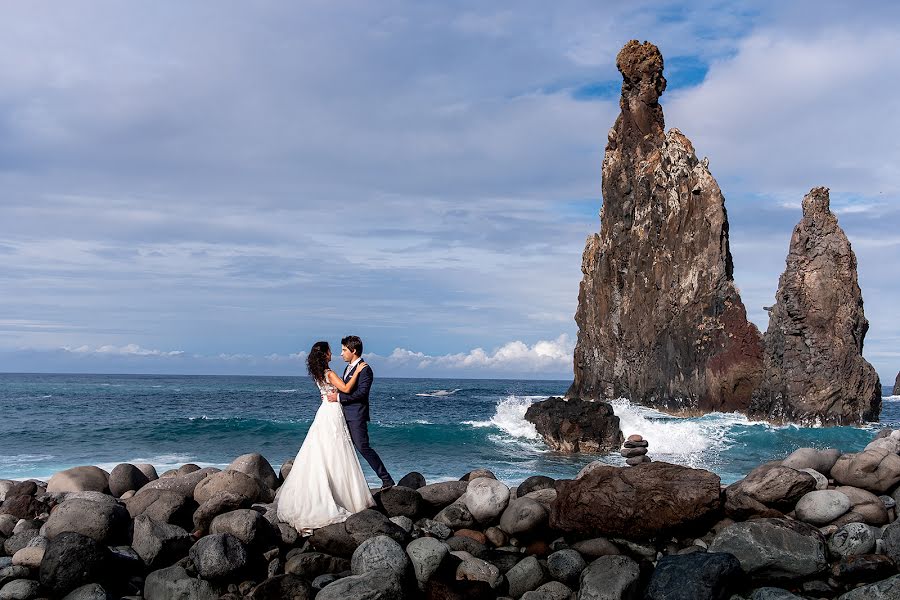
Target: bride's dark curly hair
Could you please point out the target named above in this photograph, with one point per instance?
(317, 361)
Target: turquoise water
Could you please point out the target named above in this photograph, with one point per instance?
(440, 427)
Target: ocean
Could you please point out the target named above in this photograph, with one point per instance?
(442, 428)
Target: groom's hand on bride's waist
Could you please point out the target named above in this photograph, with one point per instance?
(332, 397)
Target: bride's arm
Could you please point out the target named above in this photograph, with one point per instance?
(338, 383)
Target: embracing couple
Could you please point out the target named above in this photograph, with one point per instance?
(326, 484)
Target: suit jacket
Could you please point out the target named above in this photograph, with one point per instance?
(356, 403)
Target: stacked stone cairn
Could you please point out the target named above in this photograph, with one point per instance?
(817, 524)
(635, 450)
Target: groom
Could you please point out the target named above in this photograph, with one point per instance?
(356, 406)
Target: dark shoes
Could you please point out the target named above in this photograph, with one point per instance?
(387, 484)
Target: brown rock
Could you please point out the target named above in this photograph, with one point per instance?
(772, 486)
(80, 479)
(876, 470)
(162, 506)
(228, 481)
(814, 369)
(575, 425)
(635, 502)
(660, 320)
(472, 534)
(634, 438)
(866, 508)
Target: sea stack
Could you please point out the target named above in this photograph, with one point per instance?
(660, 321)
(814, 369)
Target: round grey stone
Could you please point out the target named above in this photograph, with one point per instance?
(822, 506)
(426, 554)
(852, 538)
(19, 589)
(566, 566)
(379, 553)
(486, 498)
(609, 578)
(218, 555)
(527, 575)
(91, 591)
(523, 515)
(476, 569)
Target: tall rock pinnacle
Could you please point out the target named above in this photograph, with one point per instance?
(814, 369)
(660, 320)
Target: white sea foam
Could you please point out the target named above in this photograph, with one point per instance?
(509, 416)
(438, 393)
(286, 391)
(890, 398)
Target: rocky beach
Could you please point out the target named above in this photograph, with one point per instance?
(816, 524)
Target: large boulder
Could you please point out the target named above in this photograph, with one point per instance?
(439, 495)
(876, 470)
(219, 556)
(174, 583)
(575, 425)
(334, 539)
(814, 369)
(219, 503)
(774, 548)
(865, 507)
(370, 523)
(812, 458)
(380, 584)
(183, 484)
(696, 576)
(79, 479)
(234, 482)
(379, 553)
(105, 522)
(20, 589)
(486, 499)
(660, 320)
(523, 516)
(126, 477)
(610, 578)
(256, 466)
(72, 560)
(770, 485)
(165, 506)
(822, 506)
(89, 591)
(159, 544)
(635, 502)
(247, 525)
(400, 501)
(456, 516)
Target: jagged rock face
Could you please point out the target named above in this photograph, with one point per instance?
(660, 320)
(576, 425)
(896, 391)
(814, 369)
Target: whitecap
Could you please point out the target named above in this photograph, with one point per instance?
(286, 391)
(509, 417)
(438, 393)
(890, 398)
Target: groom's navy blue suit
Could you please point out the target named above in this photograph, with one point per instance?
(356, 412)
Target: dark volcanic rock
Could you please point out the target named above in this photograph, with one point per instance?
(635, 502)
(660, 320)
(575, 425)
(896, 390)
(814, 369)
(697, 576)
(72, 560)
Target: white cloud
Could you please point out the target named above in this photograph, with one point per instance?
(126, 350)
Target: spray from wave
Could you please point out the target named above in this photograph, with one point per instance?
(509, 416)
(438, 393)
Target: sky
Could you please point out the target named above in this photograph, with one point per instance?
(210, 187)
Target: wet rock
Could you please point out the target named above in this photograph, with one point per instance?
(72, 560)
(174, 582)
(79, 479)
(635, 502)
(575, 425)
(876, 470)
(852, 538)
(697, 576)
(812, 458)
(773, 548)
(126, 477)
(610, 578)
(523, 516)
(486, 499)
(814, 369)
(526, 576)
(822, 506)
(159, 544)
(219, 556)
(106, 522)
(256, 466)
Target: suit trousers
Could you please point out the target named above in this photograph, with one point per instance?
(359, 433)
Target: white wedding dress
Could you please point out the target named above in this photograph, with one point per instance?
(326, 484)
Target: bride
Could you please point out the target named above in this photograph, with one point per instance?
(326, 484)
